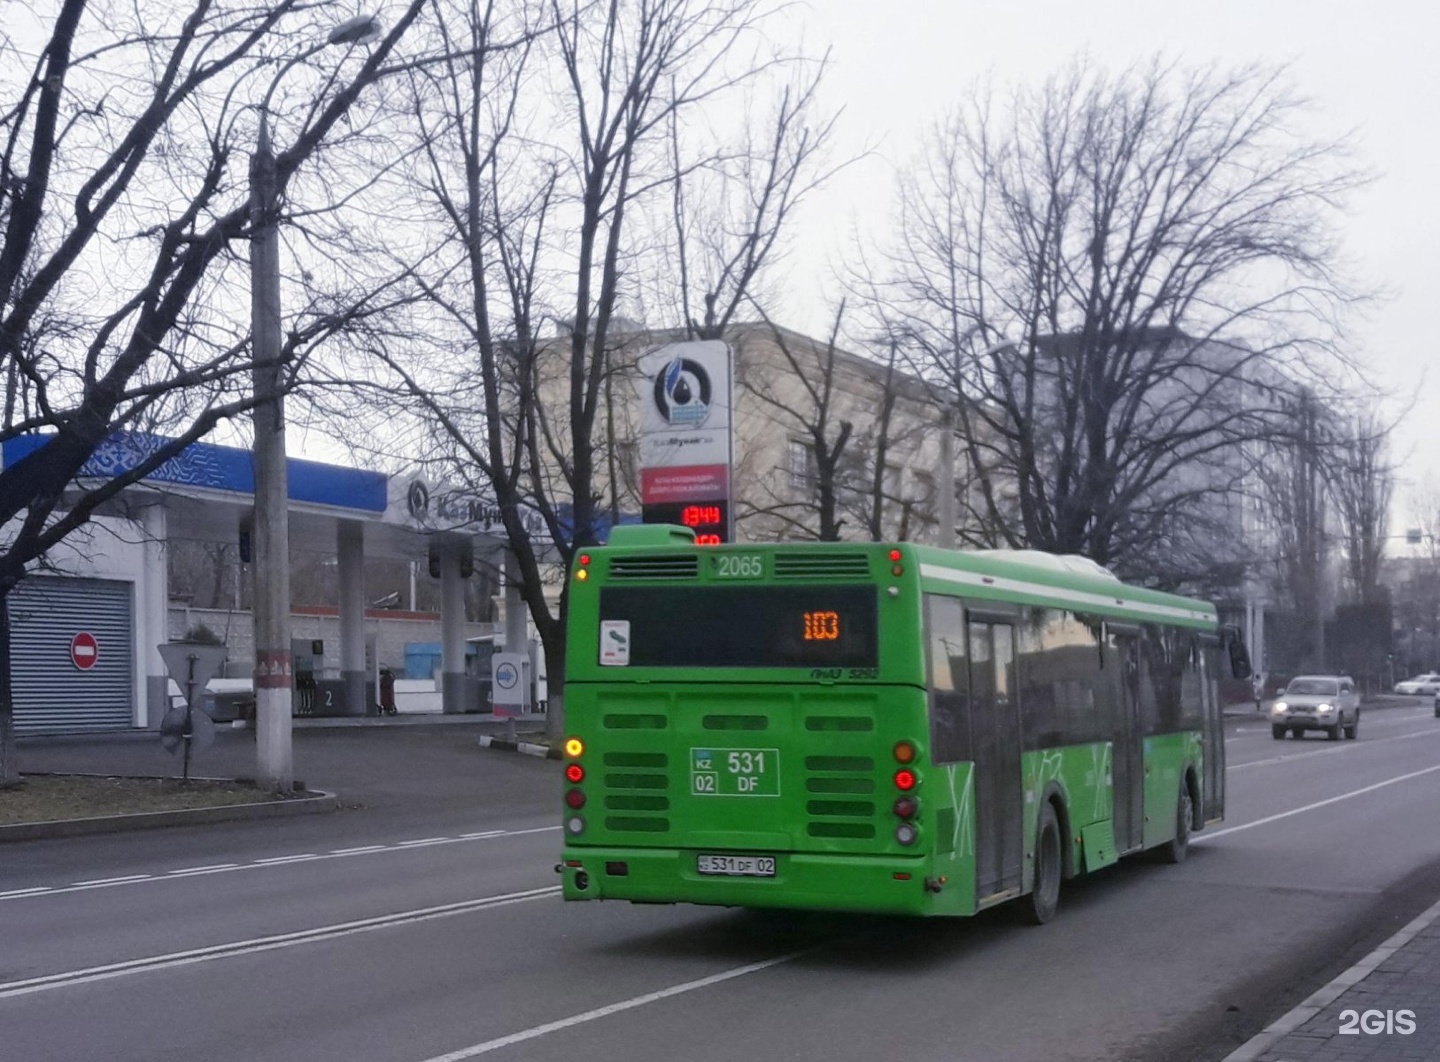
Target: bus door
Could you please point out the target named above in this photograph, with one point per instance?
(1128, 768)
(995, 729)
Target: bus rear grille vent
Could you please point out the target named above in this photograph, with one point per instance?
(836, 777)
(735, 722)
(839, 722)
(848, 809)
(858, 831)
(656, 566)
(848, 764)
(810, 565)
(825, 784)
(625, 802)
(635, 824)
(637, 759)
(628, 721)
(636, 780)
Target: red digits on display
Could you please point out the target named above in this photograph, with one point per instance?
(700, 515)
(822, 626)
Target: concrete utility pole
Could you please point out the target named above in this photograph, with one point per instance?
(274, 767)
(273, 676)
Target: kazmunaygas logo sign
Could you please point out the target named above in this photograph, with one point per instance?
(685, 405)
(683, 392)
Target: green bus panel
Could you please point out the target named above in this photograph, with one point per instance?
(1166, 758)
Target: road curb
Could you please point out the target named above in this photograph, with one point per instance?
(311, 803)
(544, 752)
(1277, 1030)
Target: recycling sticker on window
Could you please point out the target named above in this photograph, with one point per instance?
(614, 643)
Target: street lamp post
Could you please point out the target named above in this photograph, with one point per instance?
(273, 673)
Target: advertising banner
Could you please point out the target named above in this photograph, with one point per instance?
(685, 437)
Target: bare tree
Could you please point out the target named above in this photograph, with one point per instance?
(122, 181)
(807, 411)
(852, 424)
(1106, 269)
(1363, 486)
(1295, 488)
(540, 164)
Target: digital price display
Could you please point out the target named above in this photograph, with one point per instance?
(710, 520)
(752, 626)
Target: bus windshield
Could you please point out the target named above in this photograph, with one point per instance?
(749, 626)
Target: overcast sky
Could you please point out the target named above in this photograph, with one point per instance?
(1369, 68)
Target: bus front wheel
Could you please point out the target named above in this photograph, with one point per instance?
(1044, 897)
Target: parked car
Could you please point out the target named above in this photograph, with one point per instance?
(1317, 702)
(1425, 685)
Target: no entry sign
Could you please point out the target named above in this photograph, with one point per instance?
(84, 650)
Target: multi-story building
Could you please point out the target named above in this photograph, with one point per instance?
(811, 421)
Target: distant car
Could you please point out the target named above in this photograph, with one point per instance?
(1317, 702)
(1424, 685)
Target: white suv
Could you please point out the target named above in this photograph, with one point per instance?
(1317, 702)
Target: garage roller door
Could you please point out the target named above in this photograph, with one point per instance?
(53, 694)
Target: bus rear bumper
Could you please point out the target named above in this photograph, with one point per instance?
(814, 881)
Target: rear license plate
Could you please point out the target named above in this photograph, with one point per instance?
(738, 866)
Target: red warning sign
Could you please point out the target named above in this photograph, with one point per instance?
(84, 650)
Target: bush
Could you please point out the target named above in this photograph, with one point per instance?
(203, 635)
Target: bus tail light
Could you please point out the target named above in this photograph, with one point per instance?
(575, 825)
(905, 779)
(575, 774)
(907, 833)
(574, 748)
(575, 798)
(904, 752)
(907, 807)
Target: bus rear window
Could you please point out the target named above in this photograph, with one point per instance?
(752, 626)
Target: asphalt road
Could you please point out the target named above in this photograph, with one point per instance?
(422, 923)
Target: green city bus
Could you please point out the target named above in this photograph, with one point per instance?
(877, 727)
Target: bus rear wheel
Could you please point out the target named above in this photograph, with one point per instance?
(1044, 898)
(1178, 847)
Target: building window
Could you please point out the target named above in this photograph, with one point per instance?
(800, 464)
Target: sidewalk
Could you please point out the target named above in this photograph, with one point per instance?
(1386, 1006)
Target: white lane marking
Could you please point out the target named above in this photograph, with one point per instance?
(427, 840)
(612, 1008)
(225, 868)
(214, 868)
(1207, 836)
(70, 978)
(1360, 744)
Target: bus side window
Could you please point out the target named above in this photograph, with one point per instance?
(949, 679)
